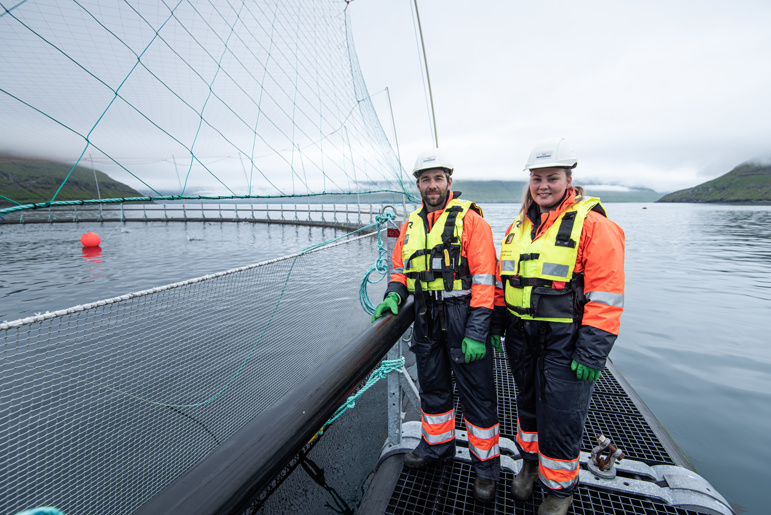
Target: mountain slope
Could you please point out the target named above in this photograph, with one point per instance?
(748, 182)
(27, 181)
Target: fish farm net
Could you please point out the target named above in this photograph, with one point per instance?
(105, 404)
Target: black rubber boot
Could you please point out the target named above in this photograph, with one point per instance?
(522, 484)
(411, 460)
(555, 505)
(484, 489)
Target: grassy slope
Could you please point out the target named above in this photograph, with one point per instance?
(26, 181)
(748, 182)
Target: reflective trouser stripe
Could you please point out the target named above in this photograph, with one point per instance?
(528, 441)
(604, 297)
(438, 428)
(483, 442)
(558, 474)
(483, 279)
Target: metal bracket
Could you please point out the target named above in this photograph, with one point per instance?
(684, 488)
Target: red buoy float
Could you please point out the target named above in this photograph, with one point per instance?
(90, 239)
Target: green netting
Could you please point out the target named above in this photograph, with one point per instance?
(105, 404)
(188, 99)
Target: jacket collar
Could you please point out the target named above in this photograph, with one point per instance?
(542, 221)
(430, 218)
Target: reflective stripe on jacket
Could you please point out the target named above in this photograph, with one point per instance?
(483, 442)
(438, 428)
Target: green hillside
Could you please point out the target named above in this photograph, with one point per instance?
(27, 181)
(747, 183)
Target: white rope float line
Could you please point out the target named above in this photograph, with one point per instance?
(49, 315)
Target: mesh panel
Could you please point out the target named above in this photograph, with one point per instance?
(102, 408)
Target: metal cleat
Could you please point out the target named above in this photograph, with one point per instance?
(603, 467)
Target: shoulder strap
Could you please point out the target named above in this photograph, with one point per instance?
(566, 228)
(448, 233)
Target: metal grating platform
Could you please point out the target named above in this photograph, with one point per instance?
(611, 413)
(446, 488)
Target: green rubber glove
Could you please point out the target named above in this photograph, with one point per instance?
(495, 340)
(585, 373)
(390, 302)
(473, 349)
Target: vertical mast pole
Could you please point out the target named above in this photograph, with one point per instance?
(428, 78)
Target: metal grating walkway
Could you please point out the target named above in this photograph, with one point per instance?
(615, 411)
(445, 488)
(611, 413)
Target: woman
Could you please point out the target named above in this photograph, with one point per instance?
(559, 301)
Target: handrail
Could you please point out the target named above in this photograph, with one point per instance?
(234, 474)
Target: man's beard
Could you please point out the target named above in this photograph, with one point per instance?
(440, 201)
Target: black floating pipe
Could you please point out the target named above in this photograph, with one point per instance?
(236, 472)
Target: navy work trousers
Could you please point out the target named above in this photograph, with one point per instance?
(552, 401)
(438, 354)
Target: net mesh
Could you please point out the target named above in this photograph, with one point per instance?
(187, 99)
(105, 404)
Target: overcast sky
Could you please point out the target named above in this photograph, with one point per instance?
(661, 94)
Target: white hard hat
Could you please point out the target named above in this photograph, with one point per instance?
(431, 159)
(552, 152)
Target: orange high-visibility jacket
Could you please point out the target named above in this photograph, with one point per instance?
(477, 248)
(601, 261)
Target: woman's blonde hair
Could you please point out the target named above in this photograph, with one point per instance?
(527, 198)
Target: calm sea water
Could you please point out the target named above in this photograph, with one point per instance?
(694, 338)
(44, 267)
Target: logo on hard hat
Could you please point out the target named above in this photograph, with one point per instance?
(429, 159)
(543, 155)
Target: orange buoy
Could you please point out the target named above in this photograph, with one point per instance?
(90, 239)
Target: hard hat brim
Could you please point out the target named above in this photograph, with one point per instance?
(417, 173)
(550, 165)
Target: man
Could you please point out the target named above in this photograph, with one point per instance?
(445, 257)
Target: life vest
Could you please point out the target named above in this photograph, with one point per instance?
(432, 259)
(537, 275)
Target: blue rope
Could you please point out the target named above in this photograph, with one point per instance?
(386, 367)
(381, 265)
(45, 510)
